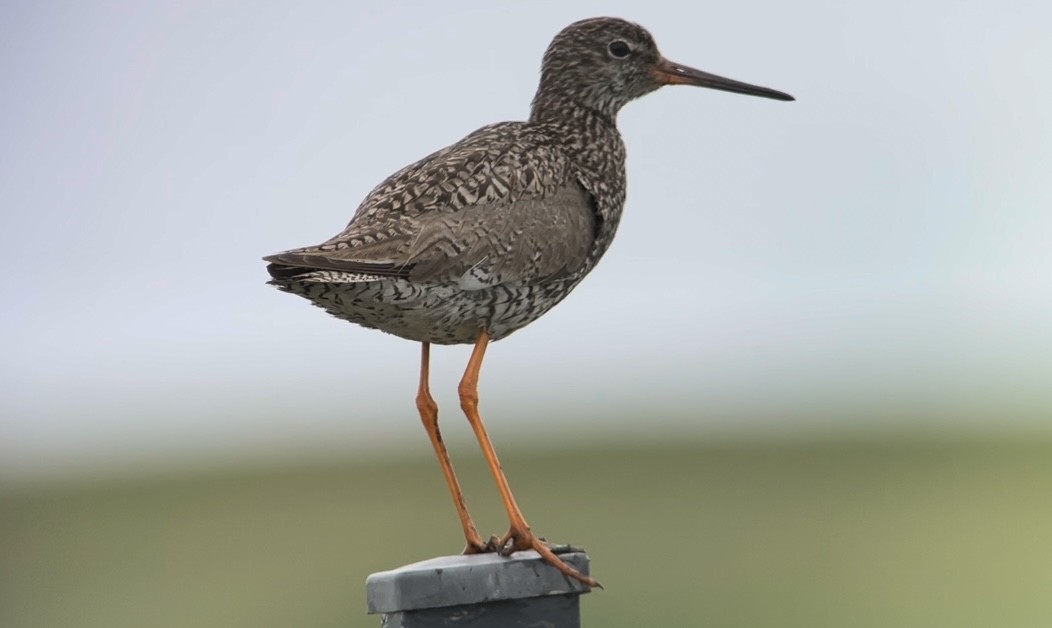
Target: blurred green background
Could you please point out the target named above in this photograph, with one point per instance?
(857, 532)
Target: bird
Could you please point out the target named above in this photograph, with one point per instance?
(480, 238)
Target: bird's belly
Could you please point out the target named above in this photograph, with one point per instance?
(440, 313)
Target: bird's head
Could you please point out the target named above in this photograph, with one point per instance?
(603, 63)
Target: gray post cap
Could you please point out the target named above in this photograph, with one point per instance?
(471, 579)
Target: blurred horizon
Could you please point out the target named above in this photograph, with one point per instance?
(408, 444)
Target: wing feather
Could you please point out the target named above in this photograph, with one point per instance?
(503, 200)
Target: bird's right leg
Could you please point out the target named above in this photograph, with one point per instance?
(425, 403)
(519, 536)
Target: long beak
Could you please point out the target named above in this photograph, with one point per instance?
(669, 73)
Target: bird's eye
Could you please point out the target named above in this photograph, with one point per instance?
(619, 49)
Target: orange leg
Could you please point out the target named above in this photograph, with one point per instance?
(519, 535)
(425, 403)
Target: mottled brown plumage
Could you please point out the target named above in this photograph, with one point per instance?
(482, 237)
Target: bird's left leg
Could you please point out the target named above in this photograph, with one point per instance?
(425, 403)
(519, 535)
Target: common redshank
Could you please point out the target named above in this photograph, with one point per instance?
(484, 236)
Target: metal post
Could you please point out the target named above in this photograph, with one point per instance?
(479, 591)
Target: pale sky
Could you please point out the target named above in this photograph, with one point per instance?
(876, 251)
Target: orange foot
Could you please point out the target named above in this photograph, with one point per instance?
(518, 539)
(490, 546)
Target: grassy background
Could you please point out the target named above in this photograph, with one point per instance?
(864, 533)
